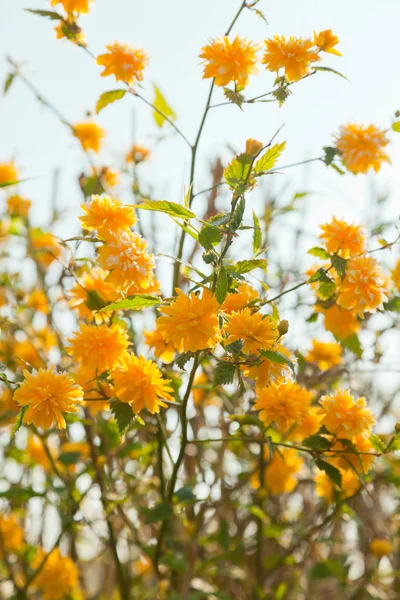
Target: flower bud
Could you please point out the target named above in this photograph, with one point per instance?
(253, 147)
(283, 327)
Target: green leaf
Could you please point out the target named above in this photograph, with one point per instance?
(277, 357)
(312, 318)
(245, 266)
(396, 126)
(377, 443)
(108, 98)
(169, 208)
(354, 345)
(329, 568)
(317, 442)
(161, 512)
(162, 105)
(237, 216)
(319, 275)
(234, 97)
(222, 285)
(393, 305)
(330, 153)
(18, 423)
(237, 173)
(69, 458)
(22, 494)
(330, 70)
(209, 236)
(319, 252)
(257, 236)
(268, 160)
(8, 183)
(94, 300)
(185, 494)
(50, 14)
(183, 359)
(8, 82)
(134, 302)
(339, 264)
(326, 290)
(224, 373)
(332, 472)
(123, 414)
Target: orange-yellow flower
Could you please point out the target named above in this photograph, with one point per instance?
(37, 300)
(191, 323)
(345, 416)
(342, 323)
(381, 547)
(239, 299)
(396, 275)
(123, 61)
(227, 61)
(253, 147)
(48, 395)
(284, 403)
(8, 172)
(293, 55)
(325, 354)
(91, 283)
(94, 390)
(140, 383)
(257, 331)
(364, 287)
(11, 533)
(8, 407)
(362, 147)
(268, 370)
(309, 425)
(280, 473)
(45, 247)
(18, 206)
(108, 175)
(326, 41)
(137, 154)
(107, 215)
(98, 346)
(58, 577)
(163, 350)
(131, 266)
(346, 458)
(325, 488)
(73, 6)
(90, 135)
(342, 238)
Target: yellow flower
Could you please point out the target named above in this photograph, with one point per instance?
(381, 547)
(342, 323)
(342, 415)
(98, 347)
(364, 287)
(18, 206)
(293, 55)
(191, 323)
(125, 62)
(308, 426)
(326, 41)
(325, 354)
(268, 370)
(8, 172)
(37, 454)
(107, 215)
(73, 6)
(132, 267)
(92, 282)
(344, 239)
(163, 350)
(396, 275)
(227, 61)
(90, 135)
(45, 247)
(325, 488)
(285, 404)
(58, 577)
(362, 147)
(253, 147)
(137, 154)
(8, 407)
(257, 331)
(239, 299)
(140, 383)
(11, 533)
(37, 300)
(108, 175)
(350, 460)
(93, 390)
(280, 473)
(48, 394)
(26, 352)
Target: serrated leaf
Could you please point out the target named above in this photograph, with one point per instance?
(245, 266)
(268, 160)
(183, 359)
(281, 94)
(332, 472)
(162, 105)
(330, 70)
(224, 373)
(161, 512)
(257, 236)
(134, 302)
(319, 252)
(209, 236)
(277, 357)
(18, 423)
(377, 443)
(221, 289)
(8, 82)
(326, 290)
(339, 264)
(123, 414)
(317, 442)
(50, 14)
(238, 214)
(108, 98)
(169, 208)
(237, 173)
(234, 97)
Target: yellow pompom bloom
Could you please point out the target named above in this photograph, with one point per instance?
(91, 282)
(342, 323)
(362, 147)
(93, 390)
(132, 267)
(123, 61)
(18, 206)
(45, 247)
(58, 578)
(191, 323)
(98, 347)
(227, 61)
(344, 416)
(364, 287)
(12, 534)
(73, 6)
(163, 350)
(267, 370)
(293, 55)
(140, 383)
(325, 354)
(325, 488)
(308, 426)
(37, 300)
(326, 41)
(284, 403)
(90, 135)
(344, 239)
(137, 154)
(48, 395)
(8, 407)
(239, 299)
(381, 547)
(280, 474)
(396, 275)
(107, 215)
(8, 172)
(257, 331)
